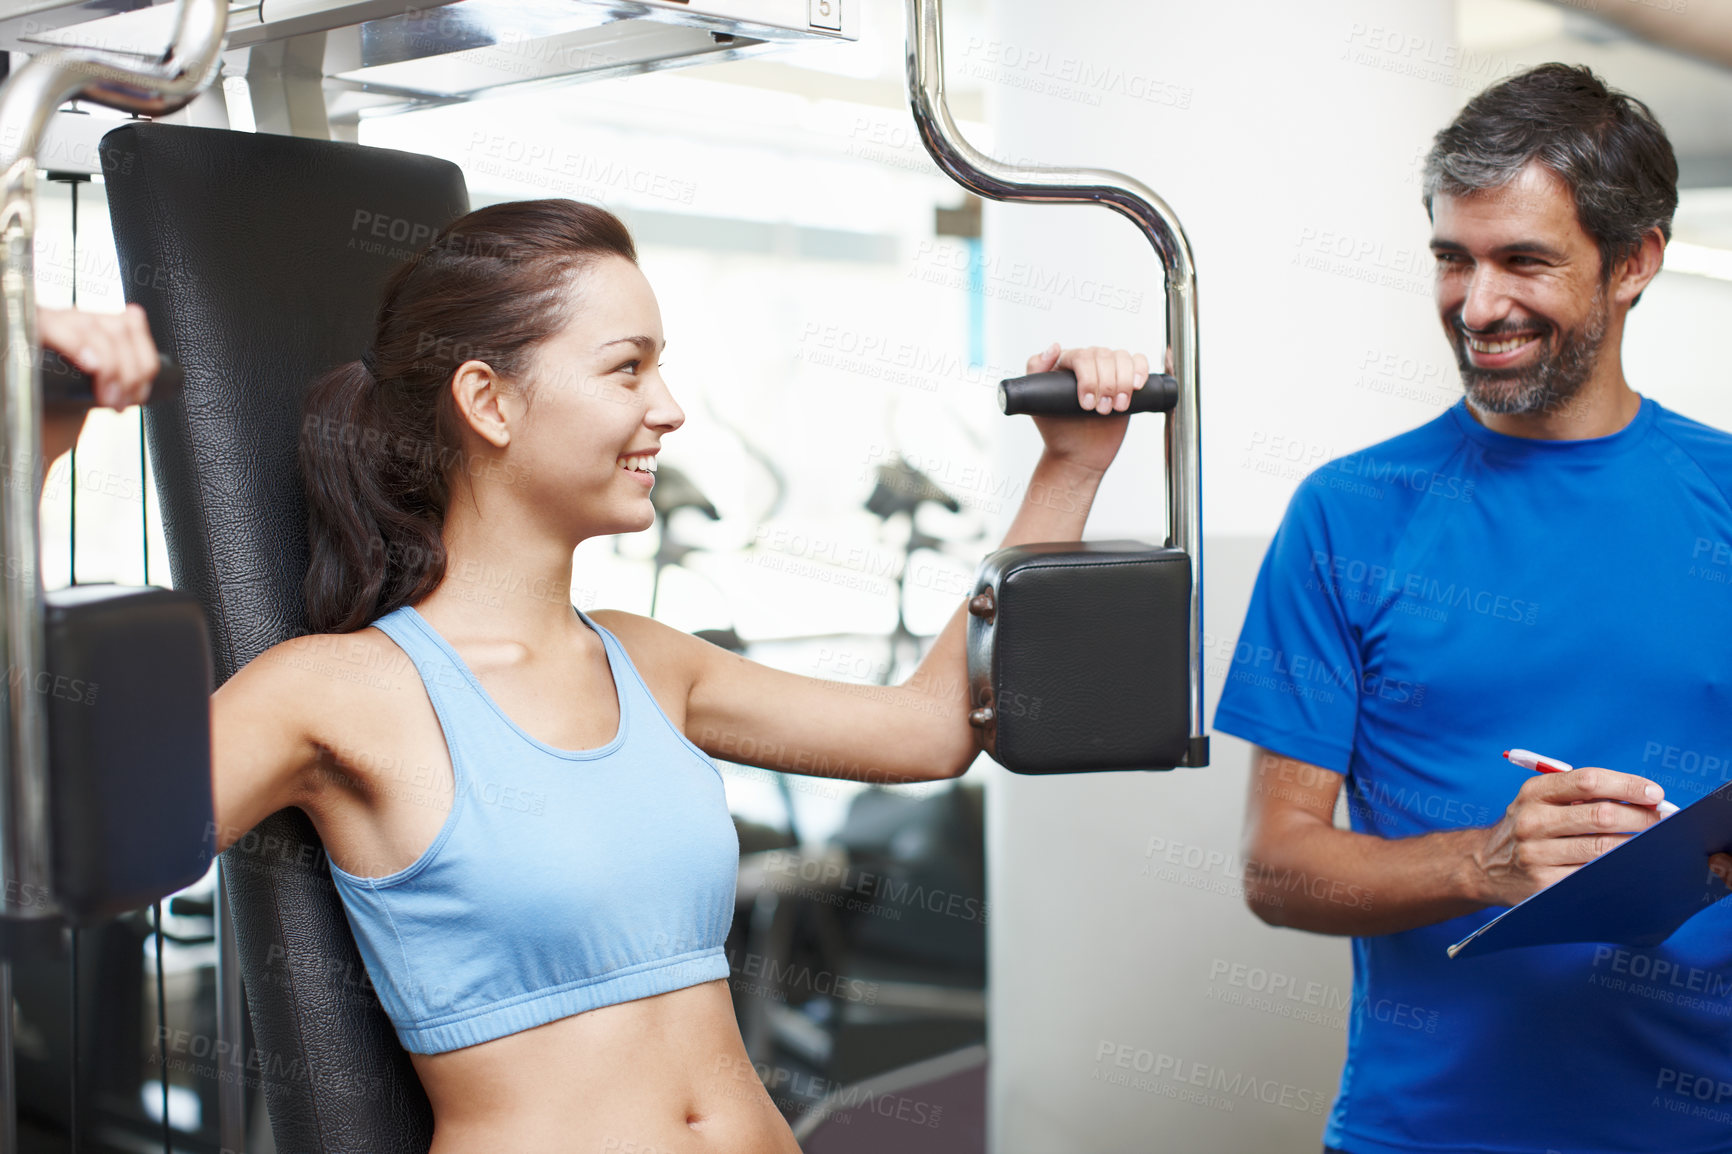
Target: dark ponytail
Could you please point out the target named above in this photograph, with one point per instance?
(380, 439)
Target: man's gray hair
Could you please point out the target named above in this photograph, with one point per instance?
(1605, 145)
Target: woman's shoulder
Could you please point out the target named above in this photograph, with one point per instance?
(669, 660)
(324, 677)
(315, 718)
(649, 643)
(646, 638)
(332, 656)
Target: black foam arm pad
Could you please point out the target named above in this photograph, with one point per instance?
(127, 683)
(1078, 656)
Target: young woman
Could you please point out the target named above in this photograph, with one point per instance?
(530, 839)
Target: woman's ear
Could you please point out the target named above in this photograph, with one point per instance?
(484, 403)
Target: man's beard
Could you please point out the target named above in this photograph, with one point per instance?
(1545, 386)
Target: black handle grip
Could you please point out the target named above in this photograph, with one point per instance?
(1054, 395)
(64, 384)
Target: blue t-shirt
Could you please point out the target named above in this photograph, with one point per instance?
(1452, 593)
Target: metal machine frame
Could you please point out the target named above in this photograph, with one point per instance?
(984, 176)
(26, 104)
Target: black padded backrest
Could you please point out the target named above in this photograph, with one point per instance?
(260, 260)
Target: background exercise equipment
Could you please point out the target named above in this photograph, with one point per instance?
(1030, 661)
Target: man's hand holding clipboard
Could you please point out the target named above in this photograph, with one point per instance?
(1587, 855)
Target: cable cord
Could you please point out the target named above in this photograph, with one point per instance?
(72, 574)
(162, 1030)
(72, 1048)
(156, 908)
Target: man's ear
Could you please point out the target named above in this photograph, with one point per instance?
(483, 402)
(1633, 272)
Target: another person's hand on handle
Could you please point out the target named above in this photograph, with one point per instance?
(1105, 379)
(114, 348)
(1558, 822)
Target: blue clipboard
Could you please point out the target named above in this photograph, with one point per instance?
(1635, 895)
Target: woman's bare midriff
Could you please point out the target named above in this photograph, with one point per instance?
(661, 1075)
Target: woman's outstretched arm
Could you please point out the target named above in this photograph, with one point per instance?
(917, 731)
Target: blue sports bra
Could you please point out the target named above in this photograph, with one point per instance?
(562, 880)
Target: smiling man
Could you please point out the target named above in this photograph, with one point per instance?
(1530, 569)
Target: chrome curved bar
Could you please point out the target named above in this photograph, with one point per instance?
(996, 180)
(27, 102)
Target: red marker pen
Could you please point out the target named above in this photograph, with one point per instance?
(1539, 763)
(1528, 759)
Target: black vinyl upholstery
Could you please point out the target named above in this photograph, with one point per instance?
(1073, 689)
(259, 260)
(128, 770)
